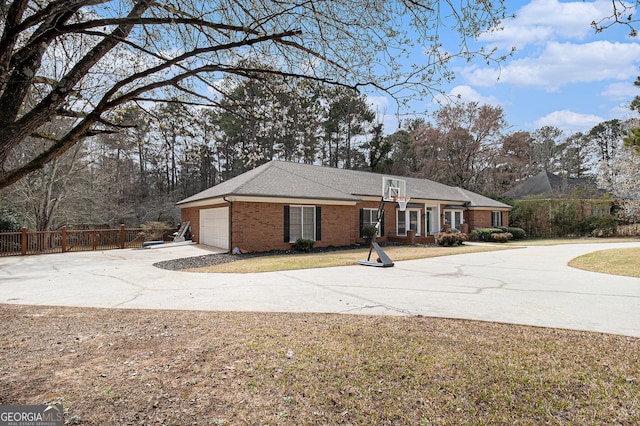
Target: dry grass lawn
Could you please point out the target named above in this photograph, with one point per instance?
(340, 258)
(128, 367)
(396, 253)
(614, 261)
(137, 367)
(582, 240)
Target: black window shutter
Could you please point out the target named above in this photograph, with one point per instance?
(286, 224)
(318, 223)
(382, 224)
(361, 223)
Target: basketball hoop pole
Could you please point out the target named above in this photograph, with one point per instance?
(392, 188)
(380, 213)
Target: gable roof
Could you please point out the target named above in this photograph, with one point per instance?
(280, 179)
(548, 185)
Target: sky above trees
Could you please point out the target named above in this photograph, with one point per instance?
(156, 100)
(83, 60)
(562, 73)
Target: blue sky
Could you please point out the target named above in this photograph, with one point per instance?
(562, 74)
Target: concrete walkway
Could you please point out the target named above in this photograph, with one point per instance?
(532, 286)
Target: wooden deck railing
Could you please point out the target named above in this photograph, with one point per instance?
(64, 240)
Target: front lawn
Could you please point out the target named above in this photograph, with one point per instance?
(118, 367)
(614, 261)
(338, 258)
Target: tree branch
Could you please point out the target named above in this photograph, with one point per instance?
(17, 130)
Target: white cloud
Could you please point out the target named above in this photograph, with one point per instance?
(384, 113)
(543, 20)
(623, 112)
(564, 63)
(620, 91)
(569, 121)
(379, 104)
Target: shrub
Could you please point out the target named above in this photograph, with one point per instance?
(518, 233)
(501, 237)
(369, 232)
(601, 226)
(485, 234)
(497, 235)
(8, 221)
(302, 245)
(450, 238)
(155, 230)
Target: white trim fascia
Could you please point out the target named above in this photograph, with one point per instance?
(429, 201)
(276, 200)
(202, 203)
(495, 209)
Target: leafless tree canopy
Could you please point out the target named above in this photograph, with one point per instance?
(85, 59)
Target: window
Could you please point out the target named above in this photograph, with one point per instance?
(369, 217)
(301, 222)
(496, 219)
(598, 209)
(401, 223)
(408, 220)
(453, 218)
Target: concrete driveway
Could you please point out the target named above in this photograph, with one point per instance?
(532, 286)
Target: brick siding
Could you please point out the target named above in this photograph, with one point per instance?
(260, 226)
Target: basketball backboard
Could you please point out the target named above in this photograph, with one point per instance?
(392, 188)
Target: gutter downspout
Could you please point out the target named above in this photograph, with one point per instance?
(230, 222)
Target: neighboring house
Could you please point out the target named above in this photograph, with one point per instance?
(270, 207)
(547, 186)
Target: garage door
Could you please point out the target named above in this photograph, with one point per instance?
(214, 227)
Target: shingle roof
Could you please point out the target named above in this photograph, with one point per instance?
(297, 180)
(548, 185)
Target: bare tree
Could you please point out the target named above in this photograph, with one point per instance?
(461, 147)
(53, 195)
(86, 58)
(513, 162)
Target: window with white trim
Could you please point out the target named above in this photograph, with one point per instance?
(302, 223)
(370, 217)
(408, 220)
(496, 219)
(453, 218)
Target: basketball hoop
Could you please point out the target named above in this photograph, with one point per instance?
(402, 202)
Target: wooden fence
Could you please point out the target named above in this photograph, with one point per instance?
(64, 240)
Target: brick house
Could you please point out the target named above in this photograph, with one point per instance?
(271, 206)
(554, 190)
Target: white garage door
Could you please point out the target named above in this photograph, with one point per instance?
(214, 227)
